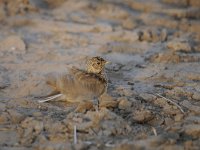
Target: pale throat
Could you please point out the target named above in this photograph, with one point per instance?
(93, 70)
(101, 72)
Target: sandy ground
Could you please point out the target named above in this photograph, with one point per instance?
(154, 47)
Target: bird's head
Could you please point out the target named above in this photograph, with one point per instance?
(96, 64)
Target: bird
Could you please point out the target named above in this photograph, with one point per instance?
(80, 85)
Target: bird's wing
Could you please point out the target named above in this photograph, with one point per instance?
(78, 83)
(89, 81)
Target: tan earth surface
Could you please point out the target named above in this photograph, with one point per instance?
(154, 47)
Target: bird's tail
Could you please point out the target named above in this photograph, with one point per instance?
(50, 98)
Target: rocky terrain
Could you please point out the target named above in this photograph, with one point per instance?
(153, 97)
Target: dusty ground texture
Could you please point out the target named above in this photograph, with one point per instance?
(154, 47)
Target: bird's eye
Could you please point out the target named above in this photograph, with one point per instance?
(98, 63)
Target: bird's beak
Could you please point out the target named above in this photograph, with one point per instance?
(107, 62)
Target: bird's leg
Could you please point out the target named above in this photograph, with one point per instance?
(96, 103)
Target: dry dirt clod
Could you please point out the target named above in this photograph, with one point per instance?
(13, 44)
(2, 107)
(15, 117)
(142, 116)
(31, 123)
(4, 117)
(124, 103)
(192, 129)
(169, 121)
(83, 107)
(196, 96)
(193, 119)
(148, 97)
(108, 101)
(178, 117)
(191, 107)
(101, 123)
(179, 45)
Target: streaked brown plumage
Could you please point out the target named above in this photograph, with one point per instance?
(80, 85)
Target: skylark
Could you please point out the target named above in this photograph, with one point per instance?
(80, 85)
